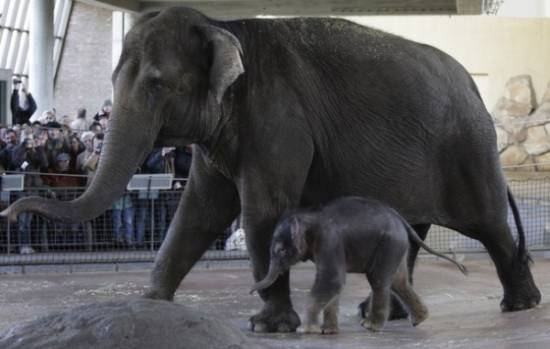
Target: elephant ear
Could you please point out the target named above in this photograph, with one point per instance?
(226, 59)
(298, 231)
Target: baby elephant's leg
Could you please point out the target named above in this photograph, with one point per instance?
(326, 288)
(330, 317)
(315, 304)
(378, 308)
(402, 287)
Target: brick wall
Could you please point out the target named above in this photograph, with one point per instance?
(84, 75)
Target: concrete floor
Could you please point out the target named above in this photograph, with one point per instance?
(464, 311)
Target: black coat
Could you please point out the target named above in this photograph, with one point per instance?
(20, 115)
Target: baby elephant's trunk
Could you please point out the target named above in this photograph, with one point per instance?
(268, 280)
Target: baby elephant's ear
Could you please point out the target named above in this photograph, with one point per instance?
(298, 232)
(227, 64)
(295, 226)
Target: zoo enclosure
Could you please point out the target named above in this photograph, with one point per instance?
(95, 241)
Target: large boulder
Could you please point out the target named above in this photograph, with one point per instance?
(133, 324)
(518, 99)
(538, 141)
(513, 155)
(546, 96)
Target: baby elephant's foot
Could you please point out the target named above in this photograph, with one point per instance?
(371, 326)
(330, 329)
(312, 328)
(417, 318)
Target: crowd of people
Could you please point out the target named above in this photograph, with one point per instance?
(63, 152)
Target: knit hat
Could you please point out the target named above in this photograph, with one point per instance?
(62, 157)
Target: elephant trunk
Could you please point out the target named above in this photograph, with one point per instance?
(268, 280)
(125, 146)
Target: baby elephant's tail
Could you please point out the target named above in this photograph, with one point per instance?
(414, 236)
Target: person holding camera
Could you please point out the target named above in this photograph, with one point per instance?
(30, 158)
(22, 103)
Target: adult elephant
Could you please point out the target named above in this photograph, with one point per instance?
(288, 112)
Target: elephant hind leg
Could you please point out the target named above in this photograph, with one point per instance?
(520, 291)
(397, 311)
(401, 286)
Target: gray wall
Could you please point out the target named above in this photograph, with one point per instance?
(84, 75)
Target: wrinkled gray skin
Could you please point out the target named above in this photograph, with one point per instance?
(296, 112)
(354, 235)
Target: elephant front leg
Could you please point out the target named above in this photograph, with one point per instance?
(277, 314)
(209, 204)
(330, 317)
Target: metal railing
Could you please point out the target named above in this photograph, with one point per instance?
(133, 229)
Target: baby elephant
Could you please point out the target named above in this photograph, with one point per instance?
(355, 235)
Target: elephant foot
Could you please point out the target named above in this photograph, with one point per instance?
(419, 318)
(330, 330)
(522, 300)
(312, 328)
(275, 319)
(371, 326)
(523, 294)
(159, 295)
(397, 311)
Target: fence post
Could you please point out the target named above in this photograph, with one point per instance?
(152, 224)
(8, 245)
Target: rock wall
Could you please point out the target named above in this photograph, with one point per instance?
(523, 128)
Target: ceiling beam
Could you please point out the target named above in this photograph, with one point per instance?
(116, 5)
(227, 9)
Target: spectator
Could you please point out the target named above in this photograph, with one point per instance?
(3, 152)
(90, 164)
(87, 138)
(105, 110)
(182, 163)
(26, 132)
(160, 160)
(56, 143)
(62, 177)
(11, 143)
(65, 121)
(80, 124)
(46, 117)
(76, 148)
(28, 157)
(104, 122)
(22, 103)
(96, 128)
(36, 128)
(123, 209)
(61, 174)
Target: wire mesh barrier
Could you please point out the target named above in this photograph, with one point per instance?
(133, 229)
(532, 195)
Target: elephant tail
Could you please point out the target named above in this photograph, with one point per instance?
(414, 237)
(523, 254)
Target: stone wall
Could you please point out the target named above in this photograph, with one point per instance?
(84, 75)
(523, 126)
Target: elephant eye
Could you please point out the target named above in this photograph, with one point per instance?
(156, 85)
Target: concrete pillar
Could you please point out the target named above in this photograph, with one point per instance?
(129, 21)
(41, 41)
(122, 22)
(118, 37)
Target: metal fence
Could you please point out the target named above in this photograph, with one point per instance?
(133, 229)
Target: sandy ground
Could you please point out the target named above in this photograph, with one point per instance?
(464, 311)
